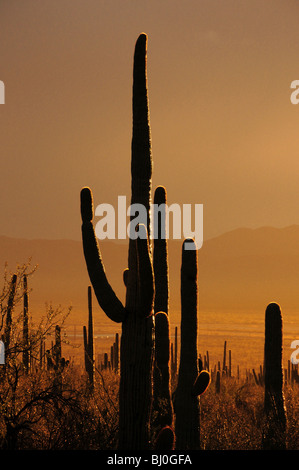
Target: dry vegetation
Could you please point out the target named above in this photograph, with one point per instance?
(40, 415)
(52, 406)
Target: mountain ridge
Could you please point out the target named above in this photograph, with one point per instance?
(243, 269)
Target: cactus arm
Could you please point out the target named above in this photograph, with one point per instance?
(145, 273)
(141, 163)
(201, 383)
(105, 295)
(160, 254)
(125, 276)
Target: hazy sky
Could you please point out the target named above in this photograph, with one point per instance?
(224, 131)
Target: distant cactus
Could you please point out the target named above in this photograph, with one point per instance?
(116, 353)
(57, 347)
(25, 326)
(218, 382)
(187, 405)
(136, 352)
(50, 363)
(42, 353)
(88, 341)
(224, 367)
(274, 404)
(10, 304)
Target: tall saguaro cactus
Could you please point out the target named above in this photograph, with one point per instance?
(162, 406)
(136, 316)
(190, 383)
(274, 406)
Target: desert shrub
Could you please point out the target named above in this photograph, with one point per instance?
(232, 419)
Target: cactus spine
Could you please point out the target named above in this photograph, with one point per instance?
(136, 349)
(274, 406)
(187, 405)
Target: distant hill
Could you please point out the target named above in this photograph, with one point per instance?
(241, 270)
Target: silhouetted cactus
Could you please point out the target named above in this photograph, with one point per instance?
(57, 347)
(174, 354)
(224, 368)
(88, 341)
(25, 326)
(218, 382)
(187, 405)
(10, 304)
(136, 351)
(162, 406)
(175, 365)
(165, 439)
(274, 405)
(116, 353)
(42, 353)
(49, 358)
(160, 254)
(201, 383)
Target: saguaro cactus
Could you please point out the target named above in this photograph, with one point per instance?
(57, 347)
(162, 408)
(88, 341)
(136, 349)
(10, 304)
(218, 382)
(186, 401)
(274, 406)
(116, 353)
(25, 326)
(160, 255)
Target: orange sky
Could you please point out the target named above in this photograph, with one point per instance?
(225, 133)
